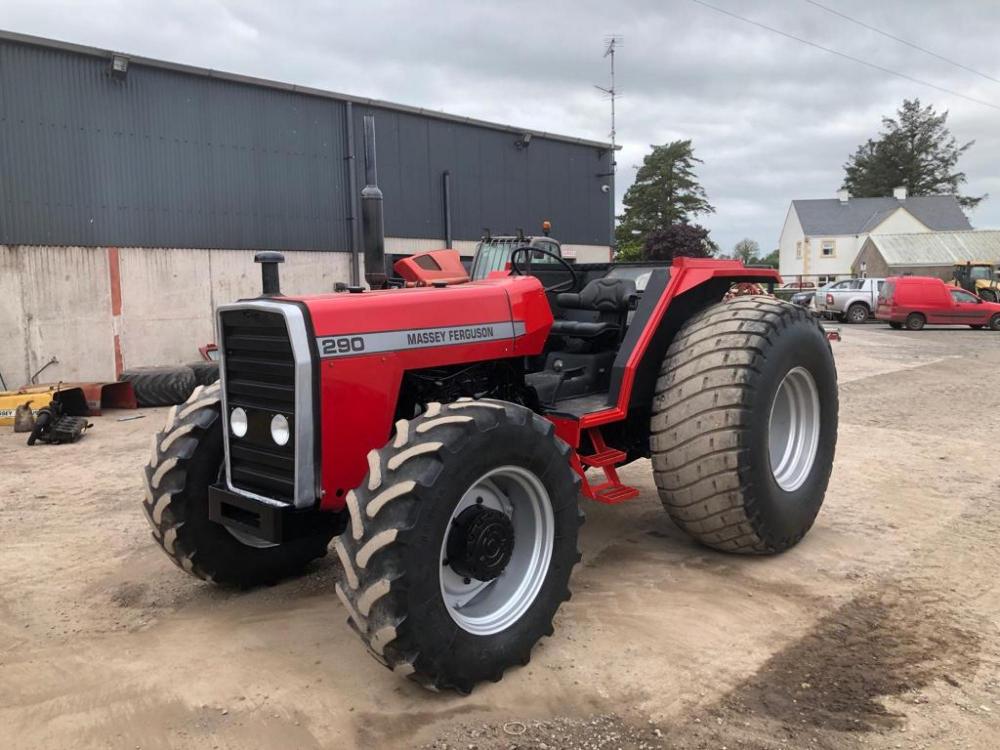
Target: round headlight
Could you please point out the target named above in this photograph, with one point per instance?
(279, 429)
(238, 422)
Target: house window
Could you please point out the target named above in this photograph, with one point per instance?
(829, 249)
(798, 250)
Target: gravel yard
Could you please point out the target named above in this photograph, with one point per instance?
(879, 630)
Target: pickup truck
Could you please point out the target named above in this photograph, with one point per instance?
(850, 301)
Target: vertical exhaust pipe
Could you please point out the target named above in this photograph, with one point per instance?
(372, 224)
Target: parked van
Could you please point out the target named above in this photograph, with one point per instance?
(916, 301)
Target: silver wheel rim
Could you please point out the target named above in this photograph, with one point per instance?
(793, 429)
(488, 607)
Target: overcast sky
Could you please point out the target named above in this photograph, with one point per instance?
(772, 118)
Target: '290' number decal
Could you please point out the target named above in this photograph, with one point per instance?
(342, 345)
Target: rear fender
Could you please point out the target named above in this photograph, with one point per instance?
(689, 287)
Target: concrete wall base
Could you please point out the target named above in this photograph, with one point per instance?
(72, 303)
(98, 310)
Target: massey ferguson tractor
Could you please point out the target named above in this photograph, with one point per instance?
(441, 435)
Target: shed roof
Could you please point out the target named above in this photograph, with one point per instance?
(81, 49)
(937, 248)
(831, 216)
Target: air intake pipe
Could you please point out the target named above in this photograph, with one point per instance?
(372, 224)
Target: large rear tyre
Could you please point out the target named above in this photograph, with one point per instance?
(188, 458)
(161, 386)
(461, 543)
(744, 425)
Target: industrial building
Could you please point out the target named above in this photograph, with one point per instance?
(133, 193)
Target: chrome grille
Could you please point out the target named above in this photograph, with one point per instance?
(259, 376)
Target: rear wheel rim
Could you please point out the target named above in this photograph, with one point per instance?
(487, 607)
(793, 429)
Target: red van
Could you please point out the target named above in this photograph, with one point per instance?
(915, 301)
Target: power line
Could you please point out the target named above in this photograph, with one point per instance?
(846, 56)
(902, 41)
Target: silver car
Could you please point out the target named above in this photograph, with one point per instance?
(850, 300)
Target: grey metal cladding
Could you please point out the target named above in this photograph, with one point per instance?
(164, 158)
(170, 158)
(494, 184)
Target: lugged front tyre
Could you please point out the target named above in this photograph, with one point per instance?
(188, 458)
(744, 425)
(461, 543)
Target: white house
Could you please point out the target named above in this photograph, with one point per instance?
(822, 237)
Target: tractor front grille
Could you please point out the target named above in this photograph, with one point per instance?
(259, 377)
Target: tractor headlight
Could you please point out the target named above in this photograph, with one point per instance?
(238, 422)
(279, 429)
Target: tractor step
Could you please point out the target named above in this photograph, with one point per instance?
(606, 457)
(614, 493)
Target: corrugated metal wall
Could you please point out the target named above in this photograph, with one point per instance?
(173, 159)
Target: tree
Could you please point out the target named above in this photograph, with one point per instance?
(665, 192)
(915, 150)
(770, 260)
(678, 240)
(746, 250)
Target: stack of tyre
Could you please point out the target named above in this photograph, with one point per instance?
(166, 386)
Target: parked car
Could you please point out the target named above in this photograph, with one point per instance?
(798, 285)
(851, 300)
(916, 301)
(803, 299)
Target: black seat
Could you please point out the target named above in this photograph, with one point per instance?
(609, 297)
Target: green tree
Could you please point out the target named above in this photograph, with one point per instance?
(915, 150)
(746, 250)
(771, 259)
(665, 192)
(678, 240)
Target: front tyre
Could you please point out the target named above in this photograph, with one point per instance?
(744, 425)
(461, 542)
(187, 458)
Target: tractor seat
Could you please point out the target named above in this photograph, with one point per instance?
(612, 298)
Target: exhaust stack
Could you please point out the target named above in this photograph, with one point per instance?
(372, 224)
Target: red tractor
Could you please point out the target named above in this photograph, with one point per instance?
(441, 434)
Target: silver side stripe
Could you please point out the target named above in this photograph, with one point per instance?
(353, 344)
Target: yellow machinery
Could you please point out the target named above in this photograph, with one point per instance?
(38, 395)
(982, 278)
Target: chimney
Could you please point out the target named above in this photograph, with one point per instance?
(899, 193)
(844, 195)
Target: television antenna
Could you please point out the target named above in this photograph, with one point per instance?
(611, 44)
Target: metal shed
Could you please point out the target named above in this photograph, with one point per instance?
(158, 154)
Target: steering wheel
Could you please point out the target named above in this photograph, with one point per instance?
(562, 286)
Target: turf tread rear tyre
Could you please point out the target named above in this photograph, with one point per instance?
(405, 478)
(161, 386)
(205, 372)
(186, 457)
(703, 405)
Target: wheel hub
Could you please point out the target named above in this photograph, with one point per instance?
(480, 543)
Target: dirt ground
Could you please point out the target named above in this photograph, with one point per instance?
(879, 630)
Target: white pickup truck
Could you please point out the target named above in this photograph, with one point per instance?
(850, 301)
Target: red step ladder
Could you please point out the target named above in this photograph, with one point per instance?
(611, 491)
